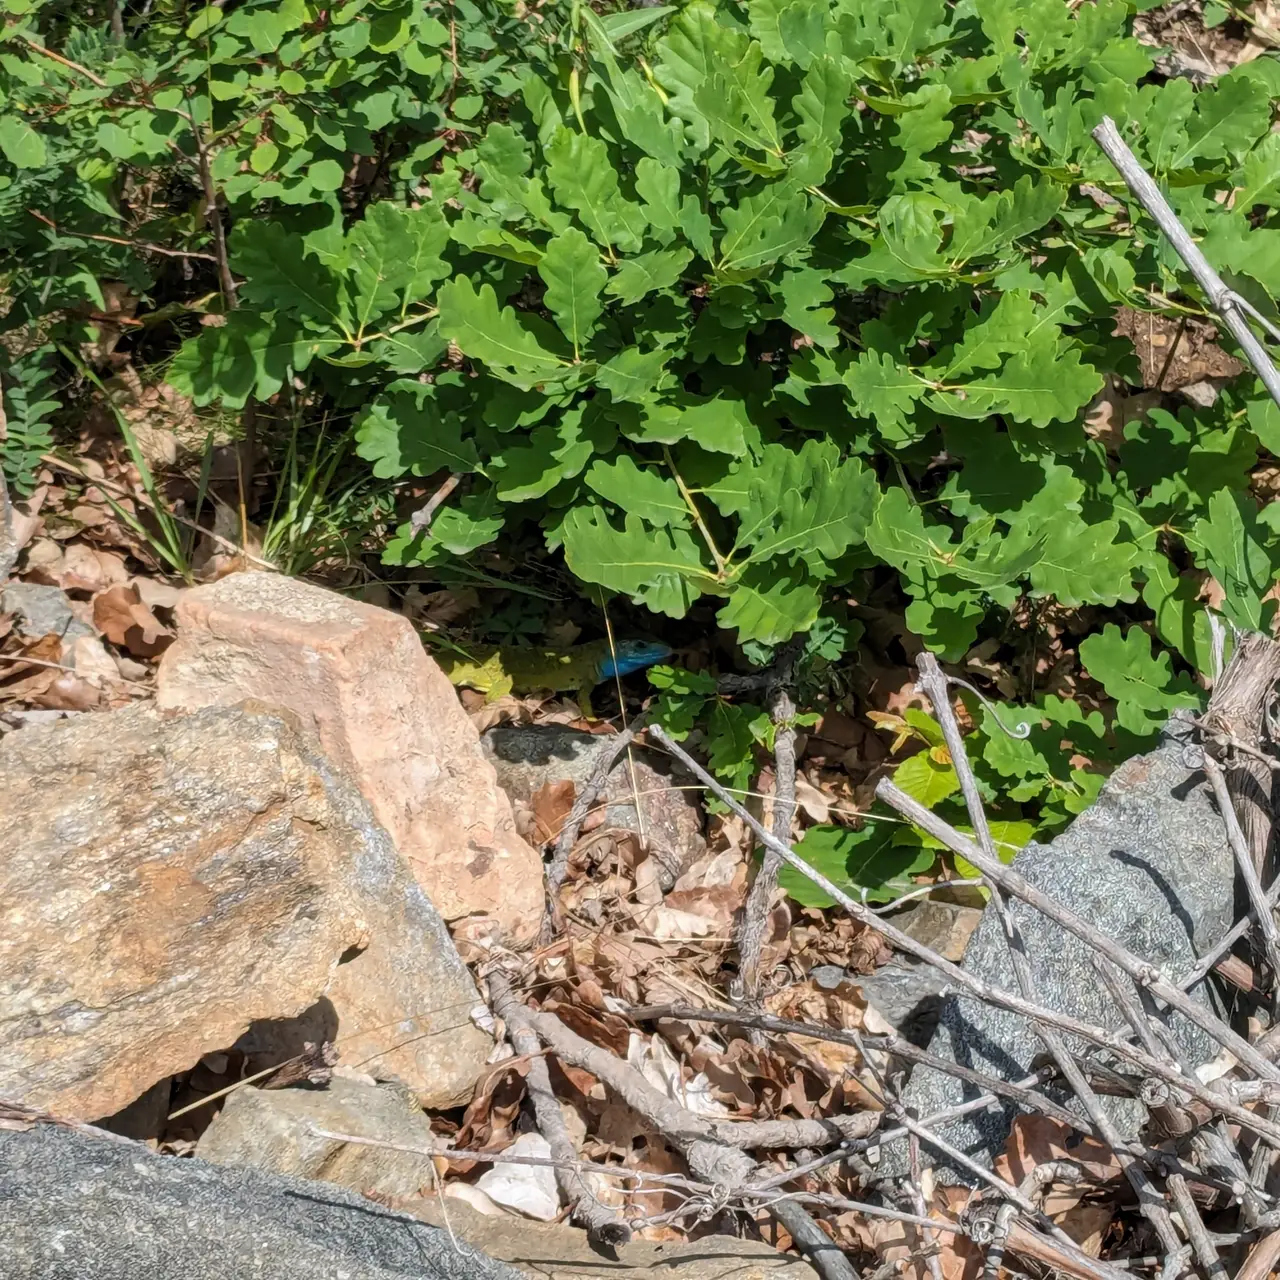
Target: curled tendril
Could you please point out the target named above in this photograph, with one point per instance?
(1020, 731)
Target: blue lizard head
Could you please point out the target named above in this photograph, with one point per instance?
(633, 655)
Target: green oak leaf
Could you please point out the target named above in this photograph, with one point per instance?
(639, 491)
(662, 568)
(770, 605)
(634, 375)
(1142, 683)
(1241, 553)
(925, 780)
(572, 271)
(886, 392)
(584, 179)
(251, 355)
(531, 466)
(1041, 384)
(1080, 561)
(805, 294)
(22, 146)
(658, 186)
(405, 432)
(394, 257)
(493, 335)
(642, 275)
(281, 276)
(762, 228)
(867, 865)
(807, 504)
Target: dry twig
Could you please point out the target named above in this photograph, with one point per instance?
(603, 1226)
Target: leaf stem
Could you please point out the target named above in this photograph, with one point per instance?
(429, 314)
(721, 563)
(66, 62)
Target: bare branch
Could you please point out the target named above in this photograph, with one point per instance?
(968, 982)
(755, 918)
(1139, 970)
(1222, 299)
(609, 750)
(602, 1224)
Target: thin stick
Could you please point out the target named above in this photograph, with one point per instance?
(755, 918)
(934, 684)
(1139, 970)
(1245, 865)
(421, 519)
(443, 1149)
(975, 986)
(131, 244)
(213, 215)
(66, 62)
(1214, 957)
(894, 1045)
(38, 662)
(916, 1188)
(712, 1149)
(812, 1241)
(603, 1226)
(609, 751)
(1262, 1259)
(1187, 1208)
(1222, 299)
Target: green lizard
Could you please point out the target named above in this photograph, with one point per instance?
(496, 670)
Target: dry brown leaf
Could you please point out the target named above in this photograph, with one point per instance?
(1036, 1139)
(551, 805)
(843, 1008)
(433, 610)
(958, 1256)
(121, 616)
(669, 925)
(67, 691)
(25, 518)
(814, 804)
(488, 1123)
(92, 661)
(157, 594)
(43, 562)
(505, 710)
(85, 568)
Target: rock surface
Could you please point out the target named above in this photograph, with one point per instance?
(41, 610)
(1149, 866)
(383, 711)
(562, 1253)
(169, 880)
(271, 1129)
(946, 927)
(82, 1208)
(527, 757)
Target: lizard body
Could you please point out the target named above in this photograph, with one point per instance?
(495, 670)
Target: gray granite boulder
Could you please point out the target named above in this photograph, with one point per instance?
(41, 610)
(84, 1208)
(1149, 865)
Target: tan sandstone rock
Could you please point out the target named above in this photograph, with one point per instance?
(168, 880)
(275, 1129)
(383, 711)
(549, 1252)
